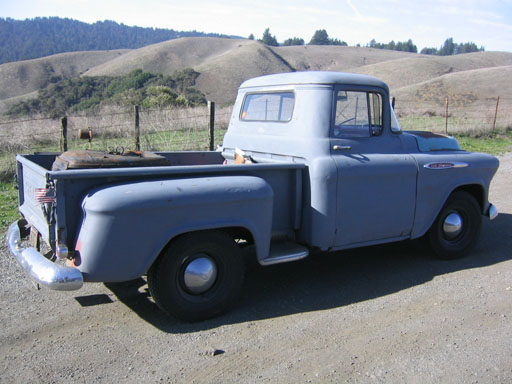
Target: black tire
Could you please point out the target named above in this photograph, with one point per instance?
(455, 246)
(167, 281)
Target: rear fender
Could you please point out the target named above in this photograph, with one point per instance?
(126, 226)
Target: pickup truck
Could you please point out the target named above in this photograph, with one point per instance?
(311, 161)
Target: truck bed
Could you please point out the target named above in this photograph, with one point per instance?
(69, 187)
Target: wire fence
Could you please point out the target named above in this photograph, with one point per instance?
(167, 129)
(175, 129)
(456, 116)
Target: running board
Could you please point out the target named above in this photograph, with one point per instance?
(283, 252)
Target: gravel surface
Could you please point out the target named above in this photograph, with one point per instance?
(387, 314)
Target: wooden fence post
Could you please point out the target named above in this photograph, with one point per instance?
(495, 114)
(137, 128)
(446, 116)
(211, 126)
(64, 134)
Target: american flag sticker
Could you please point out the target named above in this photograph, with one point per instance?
(45, 195)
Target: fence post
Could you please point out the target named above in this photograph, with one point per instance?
(137, 128)
(446, 116)
(64, 134)
(211, 126)
(495, 114)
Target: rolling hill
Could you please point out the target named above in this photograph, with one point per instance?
(23, 77)
(224, 63)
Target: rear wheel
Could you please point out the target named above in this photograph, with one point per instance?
(457, 227)
(200, 275)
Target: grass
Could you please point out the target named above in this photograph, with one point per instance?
(8, 205)
(496, 144)
(473, 135)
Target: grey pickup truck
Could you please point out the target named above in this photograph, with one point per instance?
(311, 161)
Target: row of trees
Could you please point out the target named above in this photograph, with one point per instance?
(451, 48)
(43, 36)
(320, 37)
(406, 46)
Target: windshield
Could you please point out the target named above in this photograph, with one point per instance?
(395, 127)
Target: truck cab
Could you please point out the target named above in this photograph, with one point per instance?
(368, 182)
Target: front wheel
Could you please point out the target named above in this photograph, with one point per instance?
(200, 275)
(457, 227)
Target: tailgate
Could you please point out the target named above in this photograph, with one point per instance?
(34, 204)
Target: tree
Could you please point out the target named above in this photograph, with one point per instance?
(43, 36)
(406, 46)
(468, 48)
(251, 37)
(268, 39)
(294, 41)
(429, 51)
(451, 48)
(135, 88)
(320, 37)
(337, 42)
(448, 48)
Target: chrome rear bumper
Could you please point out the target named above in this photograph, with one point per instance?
(43, 271)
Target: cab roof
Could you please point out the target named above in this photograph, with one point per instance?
(314, 77)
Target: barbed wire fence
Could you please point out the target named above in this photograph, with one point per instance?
(201, 128)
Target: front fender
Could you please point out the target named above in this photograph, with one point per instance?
(474, 172)
(126, 226)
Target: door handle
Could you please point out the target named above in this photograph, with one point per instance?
(341, 147)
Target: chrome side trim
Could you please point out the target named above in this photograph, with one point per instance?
(492, 212)
(341, 147)
(446, 165)
(43, 271)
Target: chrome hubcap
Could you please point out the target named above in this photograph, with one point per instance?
(452, 226)
(200, 274)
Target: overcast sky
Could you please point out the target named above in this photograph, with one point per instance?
(428, 23)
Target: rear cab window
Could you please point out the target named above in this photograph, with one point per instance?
(271, 106)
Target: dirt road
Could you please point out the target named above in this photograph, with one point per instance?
(388, 314)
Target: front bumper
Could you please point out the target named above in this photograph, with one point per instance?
(492, 212)
(43, 271)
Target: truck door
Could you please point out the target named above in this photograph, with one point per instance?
(376, 180)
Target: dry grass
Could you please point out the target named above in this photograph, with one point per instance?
(472, 99)
(169, 56)
(336, 58)
(416, 69)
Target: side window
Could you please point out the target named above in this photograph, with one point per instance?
(276, 106)
(358, 114)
